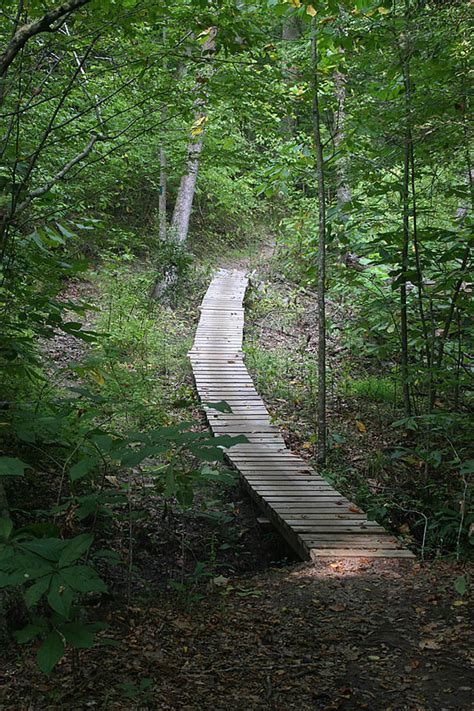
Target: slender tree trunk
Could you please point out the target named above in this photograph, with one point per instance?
(187, 188)
(403, 282)
(411, 194)
(185, 197)
(163, 184)
(162, 196)
(290, 32)
(404, 357)
(343, 191)
(321, 287)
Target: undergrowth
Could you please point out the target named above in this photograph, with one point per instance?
(410, 474)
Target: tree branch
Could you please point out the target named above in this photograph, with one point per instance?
(26, 32)
(61, 174)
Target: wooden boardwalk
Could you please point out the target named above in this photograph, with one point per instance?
(311, 515)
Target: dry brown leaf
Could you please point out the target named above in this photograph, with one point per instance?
(429, 644)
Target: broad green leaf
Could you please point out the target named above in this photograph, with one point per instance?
(221, 406)
(37, 590)
(6, 527)
(48, 548)
(467, 467)
(28, 633)
(11, 466)
(60, 597)
(82, 468)
(75, 549)
(460, 584)
(50, 652)
(38, 530)
(78, 635)
(82, 578)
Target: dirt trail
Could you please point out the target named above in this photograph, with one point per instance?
(336, 635)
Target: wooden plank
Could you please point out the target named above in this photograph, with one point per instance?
(359, 553)
(317, 507)
(273, 459)
(267, 472)
(337, 540)
(261, 464)
(238, 417)
(297, 493)
(320, 514)
(287, 480)
(334, 525)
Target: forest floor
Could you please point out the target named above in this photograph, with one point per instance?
(254, 629)
(335, 635)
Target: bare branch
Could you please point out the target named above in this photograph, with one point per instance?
(61, 174)
(26, 32)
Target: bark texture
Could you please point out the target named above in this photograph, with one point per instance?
(290, 32)
(321, 290)
(26, 32)
(187, 187)
(162, 197)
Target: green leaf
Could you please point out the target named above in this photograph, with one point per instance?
(6, 527)
(64, 230)
(133, 458)
(47, 548)
(221, 406)
(88, 505)
(35, 592)
(79, 635)
(460, 585)
(11, 466)
(75, 549)
(38, 530)
(467, 467)
(60, 597)
(83, 578)
(82, 468)
(28, 633)
(207, 454)
(103, 442)
(50, 652)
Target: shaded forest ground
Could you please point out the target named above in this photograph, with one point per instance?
(252, 628)
(322, 636)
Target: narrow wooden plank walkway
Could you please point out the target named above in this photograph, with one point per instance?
(312, 516)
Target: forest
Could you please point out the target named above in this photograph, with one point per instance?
(175, 177)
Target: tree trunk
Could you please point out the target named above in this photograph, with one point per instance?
(403, 281)
(343, 191)
(290, 32)
(187, 188)
(185, 197)
(404, 358)
(163, 185)
(321, 288)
